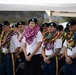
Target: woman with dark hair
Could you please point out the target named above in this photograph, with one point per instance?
(32, 47)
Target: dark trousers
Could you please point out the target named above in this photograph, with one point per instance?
(19, 60)
(70, 69)
(33, 67)
(61, 63)
(2, 71)
(7, 63)
(49, 69)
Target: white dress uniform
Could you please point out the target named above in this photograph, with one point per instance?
(70, 51)
(51, 67)
(32, 46)
(57, 44)
(34, 64)
(14, 43)
(70, 69)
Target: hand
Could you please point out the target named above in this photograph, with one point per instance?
(18, 56)
(68, 60)
(62, 56)
(28, 58)
(46, 60)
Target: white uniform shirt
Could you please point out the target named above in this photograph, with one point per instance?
(62, 49)
(14, 43)
(70, 52)
(30, 48)
(57, 44)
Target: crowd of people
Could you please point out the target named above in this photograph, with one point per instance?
(46, 49)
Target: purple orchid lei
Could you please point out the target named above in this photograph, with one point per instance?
(30, 34)
(49, 46)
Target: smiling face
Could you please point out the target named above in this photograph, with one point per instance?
(32, 25)
(21, 28)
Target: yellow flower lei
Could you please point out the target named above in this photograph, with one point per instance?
(50, 38)
(70, 41)
(3, 38)
(63, 37)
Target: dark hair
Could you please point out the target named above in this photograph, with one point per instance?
(41, 28)
(60, 27)
(66, 28)
(14, 25)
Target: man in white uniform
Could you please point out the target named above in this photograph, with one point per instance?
(70, 49)
(50, 49)
(14, 45)
(9, 45)
(6, 36)
(60, 28)
(20, 55)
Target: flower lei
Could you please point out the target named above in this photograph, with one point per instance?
(48, 46)
(30, 34)
(71, 39)
(63, 37)
(21, 37)
(17, 33)
(5, 39)
(0, 47)
(49, 39)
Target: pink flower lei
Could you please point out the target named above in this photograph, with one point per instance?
(30, 34)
